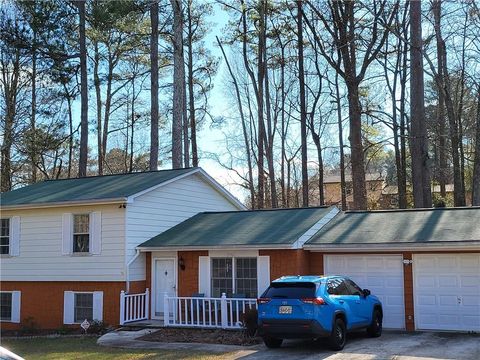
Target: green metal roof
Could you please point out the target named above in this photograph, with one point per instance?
(280, 227)
(94, 188)
(419, 226)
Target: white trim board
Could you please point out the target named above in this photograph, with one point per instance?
(315, 228)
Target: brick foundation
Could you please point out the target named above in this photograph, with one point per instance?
(43, 300)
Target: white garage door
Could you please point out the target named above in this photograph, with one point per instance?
(447, 292)
(381, 274)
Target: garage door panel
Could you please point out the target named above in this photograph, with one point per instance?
(381, 274)
(447, 291)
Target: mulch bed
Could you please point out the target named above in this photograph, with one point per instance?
(206, 336)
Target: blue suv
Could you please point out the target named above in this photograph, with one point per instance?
(316, 306)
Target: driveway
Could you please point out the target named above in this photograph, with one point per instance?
(391, 345)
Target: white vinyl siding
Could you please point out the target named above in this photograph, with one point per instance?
(43, 242)
(156, 211)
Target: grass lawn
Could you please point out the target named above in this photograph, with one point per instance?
(87, 348)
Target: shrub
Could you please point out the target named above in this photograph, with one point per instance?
(250, 322)
(29, 326)
(98, 327)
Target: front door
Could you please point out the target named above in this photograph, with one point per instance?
(165, 282)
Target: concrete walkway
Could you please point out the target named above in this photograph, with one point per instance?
(128, 339)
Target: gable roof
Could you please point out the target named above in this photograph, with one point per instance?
(413, 227)
(96, 189)
(279, 228)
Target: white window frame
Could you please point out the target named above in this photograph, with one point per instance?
(75, 293)
(15, 309)
(234, 270)
(9, 237)
(97, 308)
(89, 233)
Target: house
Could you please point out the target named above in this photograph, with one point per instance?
(424, 264)
(333, 190)
(68, 247)
(175, 246)
(389, 197)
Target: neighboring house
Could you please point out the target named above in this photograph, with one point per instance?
(332, 189)
(389, 198)
(68, 247)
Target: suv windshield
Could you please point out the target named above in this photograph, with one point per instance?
(297, 290)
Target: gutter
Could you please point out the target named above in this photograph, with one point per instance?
(218, 247)
(65, 204)
(137, 254)
(460, 246)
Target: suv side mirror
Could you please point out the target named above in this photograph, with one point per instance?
(366, 292)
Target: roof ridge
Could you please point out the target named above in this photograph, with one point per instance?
(132, 173)
(411, 210)
(265, 210)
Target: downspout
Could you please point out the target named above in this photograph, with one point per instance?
(137, 254)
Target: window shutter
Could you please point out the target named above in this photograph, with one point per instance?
(14, 248)
(98, 305)
(96, 232)
(68, 307)
(263, 273)
(16, 306)
(67, 234)
(204, 275)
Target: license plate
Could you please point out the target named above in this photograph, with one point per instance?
(285, 310)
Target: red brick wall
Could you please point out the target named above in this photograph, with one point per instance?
(316, 263)
(43, 300)
(408, 293)
(287, 262)
(188, 278)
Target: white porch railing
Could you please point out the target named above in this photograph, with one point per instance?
(134, 307)
(204, 312)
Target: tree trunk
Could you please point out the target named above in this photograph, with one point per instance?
(476, 163)
(178, 84)
(82, 166)
(420, 169)
(343, 185)
(444, 85)
(303, 107)
(261, 124)
(282, 160)
(98, 93)
(193, 124)
(436, 6)
(153, 163)
(33, 142)
(271, 129)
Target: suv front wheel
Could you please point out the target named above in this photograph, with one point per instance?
(375, 328)
(338, 336)
(272, 343)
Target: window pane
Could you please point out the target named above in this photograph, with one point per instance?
(246, 277)
(83, 307)
(5, 227)
(81, 224)
(5, 306)
(4, 249)
(81, 243)
(221, 277)
(292, 290)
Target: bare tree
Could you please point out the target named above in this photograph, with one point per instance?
(153, 164)
(347, 34)
(82, 165)
(178, 84)
(476, 164)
